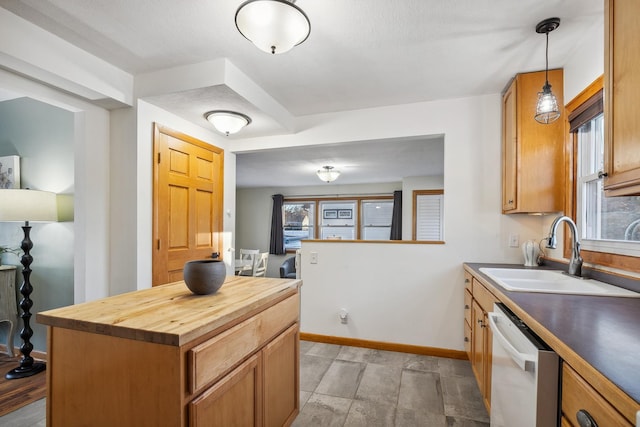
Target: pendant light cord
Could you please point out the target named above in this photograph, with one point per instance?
(546, 68)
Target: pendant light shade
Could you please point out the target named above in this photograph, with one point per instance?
(328, 173)
(227, 122)
(274, 26)
(547, 110)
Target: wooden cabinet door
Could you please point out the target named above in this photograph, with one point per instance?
(234, 401)
(478, 346)
(280, 360)
(487, 360)
(622, 90)
(509, 148)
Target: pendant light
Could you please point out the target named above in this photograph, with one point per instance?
(547, 110)
(328, 173)
(227, 122)
(274, 26)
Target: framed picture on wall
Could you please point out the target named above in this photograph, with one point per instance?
(344, 213)
(9, 172)
(330, 214)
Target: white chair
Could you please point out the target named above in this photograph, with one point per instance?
(247, 261)
(260, 268)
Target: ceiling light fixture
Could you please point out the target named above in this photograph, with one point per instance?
(547, 110)
(328, 173)
(274, 26)
(227, 122)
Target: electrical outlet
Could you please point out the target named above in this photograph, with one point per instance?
(514, 240)
(313, 257)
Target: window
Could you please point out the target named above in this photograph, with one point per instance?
(428, 206)
(338, 220)
(376, 219)
(604, 222)
(609, 226)
(298, 221)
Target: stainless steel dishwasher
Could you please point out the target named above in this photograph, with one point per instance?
(524, 374)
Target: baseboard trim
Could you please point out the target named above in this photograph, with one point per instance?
(39, 355)
(380, 345)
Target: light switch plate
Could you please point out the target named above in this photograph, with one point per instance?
(313, 257)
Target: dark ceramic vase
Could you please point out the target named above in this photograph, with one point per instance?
(204, 276)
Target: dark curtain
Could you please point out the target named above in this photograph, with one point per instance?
(276, 243)
(396, 218)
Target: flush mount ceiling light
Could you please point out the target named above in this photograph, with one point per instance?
(328, 173)
(547, 108)
(227, 122)
(274, 26)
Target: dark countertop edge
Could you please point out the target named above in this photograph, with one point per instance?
(540, 329)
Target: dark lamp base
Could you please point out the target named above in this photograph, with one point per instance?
(21, 372)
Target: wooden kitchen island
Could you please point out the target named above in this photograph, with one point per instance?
(166, 357)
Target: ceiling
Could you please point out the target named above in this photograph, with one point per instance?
(360, 54)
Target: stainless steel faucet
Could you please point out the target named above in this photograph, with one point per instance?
(575, 263)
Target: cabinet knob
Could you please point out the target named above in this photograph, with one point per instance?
(466, 306)
(466, 280)
(584, 419)
(466, 339)
(602, 174)
(510, 202)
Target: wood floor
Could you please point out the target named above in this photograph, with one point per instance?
(17, 393)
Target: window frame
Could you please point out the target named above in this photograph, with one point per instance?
(356, 214)
(414, 232)
(607, 259)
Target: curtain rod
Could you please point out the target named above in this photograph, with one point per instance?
(320, 196)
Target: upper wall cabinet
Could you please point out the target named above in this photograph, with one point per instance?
(532, 153)
(622, 92)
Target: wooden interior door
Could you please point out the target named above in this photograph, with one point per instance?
(187, 202)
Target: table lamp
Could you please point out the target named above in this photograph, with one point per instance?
(27, 205)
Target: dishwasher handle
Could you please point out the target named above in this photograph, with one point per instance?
(523, 360)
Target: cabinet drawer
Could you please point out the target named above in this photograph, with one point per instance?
(483, 296)
(578, 395)
(467, 306)
(211, 359)
(467, 281)
(467, 339)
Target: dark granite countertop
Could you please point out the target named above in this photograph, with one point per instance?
(602, 331)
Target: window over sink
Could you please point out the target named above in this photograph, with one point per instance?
(607, 225)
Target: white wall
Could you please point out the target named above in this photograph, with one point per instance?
(409, 293)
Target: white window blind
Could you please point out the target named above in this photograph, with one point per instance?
(429, 217)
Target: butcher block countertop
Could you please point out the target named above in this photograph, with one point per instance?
(598, 336)
(170, 314)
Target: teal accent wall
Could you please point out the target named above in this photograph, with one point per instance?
(43, 136)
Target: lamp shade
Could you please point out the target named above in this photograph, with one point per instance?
(227, 122)
(328, 173)
(274, 26)
(28, 205)
(547, 110)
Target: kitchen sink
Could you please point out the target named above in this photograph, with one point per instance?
(552, 281)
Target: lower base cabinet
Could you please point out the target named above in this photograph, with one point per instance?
(582, 405)
(260, 392)
(242, 375)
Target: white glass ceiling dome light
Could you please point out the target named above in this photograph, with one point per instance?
(547, 110)
(274, 26)
(328, 173)
(227, 122)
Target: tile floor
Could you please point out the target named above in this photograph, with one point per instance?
(349, 386)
